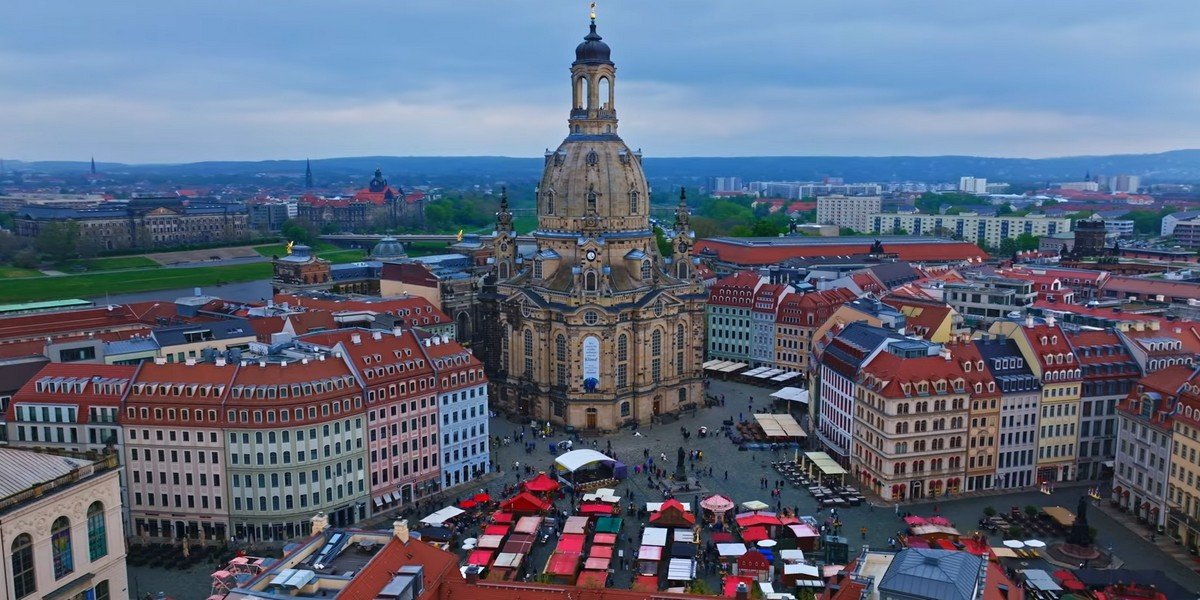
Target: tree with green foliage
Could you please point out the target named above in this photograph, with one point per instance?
(660, 239)
(1148, 222)
(58, 241)
(299, 231)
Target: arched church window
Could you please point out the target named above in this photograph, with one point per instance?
(656, 343)
(581, 91)
(683, 269)
(592, 158)
(605, 93)
(504, 270)
(560, 358)
(537, 268)
(622, 348)
(589, 281)
(591, 198)
(645, 270)
(528, 343)
(549, 196)
(634, 202)
(680, 333)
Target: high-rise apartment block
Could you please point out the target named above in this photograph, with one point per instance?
(853, 212)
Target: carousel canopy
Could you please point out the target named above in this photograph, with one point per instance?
(717, 503)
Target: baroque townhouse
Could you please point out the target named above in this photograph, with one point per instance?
(984, 420)
(463, 406)
(175, 451)
(1020, 396)
(729, 316)
(295, 433)
(911, 422)
(1144, 442)
(762, 319)
(843, 359)
(1183, 486)
(401, 413)
(796, 321)
(1044, 346)
(1109, 372)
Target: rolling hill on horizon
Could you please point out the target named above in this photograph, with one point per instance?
(1171, 166)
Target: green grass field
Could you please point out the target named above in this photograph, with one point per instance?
(90, 285)
(324, 250)
(10, 272)
(108, 264)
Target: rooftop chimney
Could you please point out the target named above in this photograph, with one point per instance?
(220, 361)
(1050, 320)
(944, 353)
(400, 530)
(304, 361)
(472, 575)
(1029, 321)
(262, 364)
(191, 361)
(397, 331)
(356, 339)
(321, 357)
(319, 522)
(160, 360)
(283, 363)
(377, 335)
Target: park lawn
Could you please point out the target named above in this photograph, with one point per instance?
(343, 256)
(109, 264)
(90, 285)
(426, 248)
(11, 272)
(524, 224)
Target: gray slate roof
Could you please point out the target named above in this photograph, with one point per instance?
(933, 574)
(22, 469)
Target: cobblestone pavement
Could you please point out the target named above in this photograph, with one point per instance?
(746, 468)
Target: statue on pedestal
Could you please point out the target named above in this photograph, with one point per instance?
(1080, 534)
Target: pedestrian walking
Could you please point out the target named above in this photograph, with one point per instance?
(863, 531)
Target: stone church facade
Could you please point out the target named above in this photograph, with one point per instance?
(595, 328)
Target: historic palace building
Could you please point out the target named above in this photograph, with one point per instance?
(595, 328)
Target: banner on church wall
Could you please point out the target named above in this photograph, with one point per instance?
(591, 358)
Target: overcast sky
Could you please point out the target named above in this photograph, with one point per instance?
(180, 81)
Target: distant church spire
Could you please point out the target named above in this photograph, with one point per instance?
(308, 183)
(681, 212)
(93, 165)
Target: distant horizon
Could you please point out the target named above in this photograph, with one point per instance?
(99, 161)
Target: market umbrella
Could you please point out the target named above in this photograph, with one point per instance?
(468, 503)
(1014, 544)
(943, 521)
(482, 498)
(755, 505)
(716, 503)
(1035, 543)
(470, 541)
(767, 543)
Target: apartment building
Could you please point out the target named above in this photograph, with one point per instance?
(852, 212)
(983, 427)
(797, 320)
(763, 316)
(988, 298)
(841, 361)
(971, 227)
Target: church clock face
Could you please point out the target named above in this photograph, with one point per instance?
(591, 255)
(504, 246)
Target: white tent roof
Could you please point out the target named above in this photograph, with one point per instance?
(801, 569)
(731, 549)
(575, 459)
(654, 536)
(443, 515)
(792, 394)
(681, 569)
(791, 555)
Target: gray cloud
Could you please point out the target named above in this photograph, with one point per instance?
(146, 81)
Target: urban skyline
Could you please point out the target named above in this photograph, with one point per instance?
(230, 81)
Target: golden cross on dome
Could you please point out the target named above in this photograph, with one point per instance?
(593, 11)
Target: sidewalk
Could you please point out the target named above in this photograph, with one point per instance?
(466, 489)
(1140, 529)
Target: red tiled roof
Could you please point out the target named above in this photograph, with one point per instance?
(894, 371)
(964, 352)
(922, 317)
(795, 309)
(735, 290)
(765, 254)
(103, 385)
